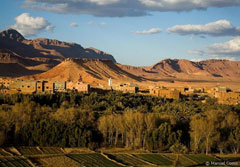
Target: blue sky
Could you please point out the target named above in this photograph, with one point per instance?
(159, 29)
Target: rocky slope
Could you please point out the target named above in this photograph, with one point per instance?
(92, 71)
(15, 70)
(180, 69)
(96, 71)
(41, 54)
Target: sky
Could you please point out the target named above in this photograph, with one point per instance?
(135, 32)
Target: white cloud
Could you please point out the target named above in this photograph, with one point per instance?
(122, 8)
(218, 28)
(197, 59)
(227, 50)
(74, 24)
(91, 22)
(30, 26)
(104, 2)
(191, 38)
(151, 31)
(94, 23)
(102, 24)
(186, 5)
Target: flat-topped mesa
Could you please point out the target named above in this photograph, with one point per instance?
(215, 61)
(91, 49)
(81, 60)
(96, 52)
(52, 42)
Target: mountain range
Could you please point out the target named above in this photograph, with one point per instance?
(39, 55)
(56, 60)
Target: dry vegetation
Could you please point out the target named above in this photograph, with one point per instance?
(59, 161)
(77, 150)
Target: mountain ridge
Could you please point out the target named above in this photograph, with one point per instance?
(182, 69)
(92, 71)
(96, 71)
(44, 58)
(41, 54)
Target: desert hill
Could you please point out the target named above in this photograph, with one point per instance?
(7, 56)
(180, 69)
(96, 71)
(58, 60)
(41, 54)
(15, 70)
(92, 71)
(206, 70)
(13, 65)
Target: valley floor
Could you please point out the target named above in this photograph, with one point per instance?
(233, 85)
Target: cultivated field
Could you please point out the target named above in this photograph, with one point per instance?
(14, 162)
(201, 159)
(183, 160)
(127, 159)
(93, 160)
(156, 159)
(58, 161)
(63, 157)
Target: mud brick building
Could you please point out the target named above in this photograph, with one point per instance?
(165, 93)
(48, 87)
(126, 88)
(5, 82)
(78, 86)
(232, 98)
(23, 86)
(59, 86)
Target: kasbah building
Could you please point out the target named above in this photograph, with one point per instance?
(222, 94)
(30, 87)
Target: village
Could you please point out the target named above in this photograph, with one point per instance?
(223, 95)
